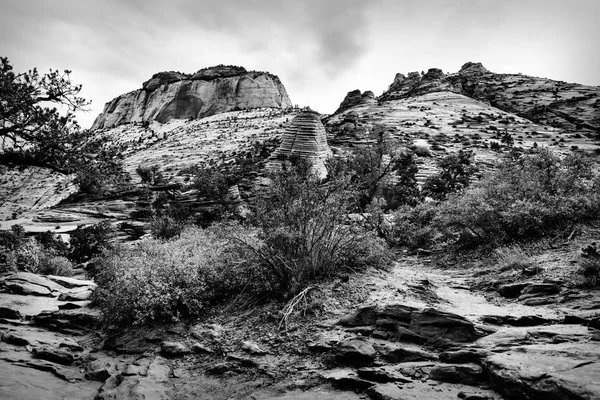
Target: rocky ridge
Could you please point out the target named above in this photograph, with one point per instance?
(174, 95)
(563, 105)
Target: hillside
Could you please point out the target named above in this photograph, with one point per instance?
(310, 302)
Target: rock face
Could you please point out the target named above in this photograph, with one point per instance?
(355, 98)
(171, 95)
(305, 137)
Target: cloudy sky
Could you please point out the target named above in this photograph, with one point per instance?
(321, 49)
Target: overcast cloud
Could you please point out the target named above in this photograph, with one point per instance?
(321, 49)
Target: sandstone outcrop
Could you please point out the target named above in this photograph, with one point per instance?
(172, 95)
(355, 98)
(544, 101)
(305, 138)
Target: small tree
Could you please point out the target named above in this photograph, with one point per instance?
(455, 174)
(33, 134)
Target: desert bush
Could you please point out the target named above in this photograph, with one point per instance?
(87, 242)
(526, 197)
(411, 226)
(166, 227)
(514, 258)
(590, 269)
(159, 280)
(52, 264)
(304, 234)
(590, 265)
(455, 174)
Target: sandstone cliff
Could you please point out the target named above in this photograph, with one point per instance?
(174, 95)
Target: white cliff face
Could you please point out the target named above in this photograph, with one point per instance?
(170, 96)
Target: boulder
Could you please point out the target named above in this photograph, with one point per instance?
(386, 391)
(9, 313)
(469, 374)
(54, 355)
(382, 375)
(539, 289)
(399, 353)
(432, 324)
(252, 348)
(512, 289)
(355, 352)
(345, 378)
(174, 349)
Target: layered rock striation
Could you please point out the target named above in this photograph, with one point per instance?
(174, 95)
(560, 104)
(304, 138)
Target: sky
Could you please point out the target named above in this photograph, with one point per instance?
(320, 49)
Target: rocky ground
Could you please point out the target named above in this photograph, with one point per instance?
(429, 328)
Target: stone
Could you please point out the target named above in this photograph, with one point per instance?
(540, 289)
(463, 355)
(304, 138)
(172, 95)
(382, 375)
(362, 317)
(27, 288)
(525, 320)
(199, 348)
(9, 313)
(252, 348)
(346, 378)
(219, 369)
(99, 375)
(14, 339)
(355, 352)
(432, 323)
(469, 374)
(174, 349)
(54, 355)
(403, 334)
(396, 353)
(386, 391)
(512, 289)
(547, 371)
(80, 318)
(71, 283)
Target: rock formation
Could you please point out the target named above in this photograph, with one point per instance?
(433, 81)
(305, 137)
(545, 101)
(355, 98)
(171, 95)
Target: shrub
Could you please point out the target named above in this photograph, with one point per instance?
(166, 227)
(304, 234)
(590, 265)
(455, 174)
(166, 280)
(51, 264)
(514, 258)
(87, 242)
(590, 269)
(526, 197)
